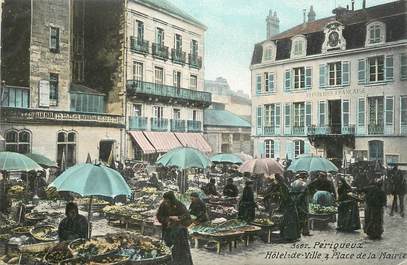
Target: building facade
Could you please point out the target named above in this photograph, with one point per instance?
(164, 79)
(46, 107)
(224, 97)
(334, 86)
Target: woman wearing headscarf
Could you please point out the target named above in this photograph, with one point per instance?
(198, 209)
(247, 205)
(174, 218)
(348, 211)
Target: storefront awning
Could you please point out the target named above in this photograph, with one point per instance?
(195, 140)
(142, 141)
(163, 141)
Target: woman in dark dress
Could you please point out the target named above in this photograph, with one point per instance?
(375, 201)
(348, 211)
(198, 209)
(289, 226)
(174, 218)
(247, 205)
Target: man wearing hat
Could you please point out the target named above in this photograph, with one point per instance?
(299, 190)
(198, 209)
(247, 205)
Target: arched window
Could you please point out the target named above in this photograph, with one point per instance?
(269, 51)
(18, 141)
(269, 148)
(299, 46)
(376, 150)
(375, 33)
(66, 146)
(299, 148)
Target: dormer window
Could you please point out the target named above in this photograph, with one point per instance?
(269, 51)
(299, 46)
(375, 33)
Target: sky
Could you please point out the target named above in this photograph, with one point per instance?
(234, 26)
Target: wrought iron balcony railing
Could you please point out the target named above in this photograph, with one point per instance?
(193, 126)
(138, 45)
(160, 51)
(159, 124)
(137, 123)
(177, 125)
(178, 56)
(271, 130)
(375, 129)
(147, 88)
(195, 61)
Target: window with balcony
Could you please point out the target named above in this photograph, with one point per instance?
(376, 68)
(376, 33)
(18, 97)
(137, 110)
(18, 141)
(194, 115)
(376, 115)
(299, 147)
(159, 36)
(272, 119)
(178, 42)
(194, 48)
(158, 76)
(66, 149)
(177, 79)
(53, 88)
(403, 115)
(193, 82)
(299, 114)
(176, 114)
(403, 66)
(139, 30)
(54, 39)
(158, 112)
(269, 148)
(138, 73)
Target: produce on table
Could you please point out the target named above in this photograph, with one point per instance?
(95, 201)
(6, 224)
(94, 247)
(16, 190)
(124, 210)
(57, 254)
(45, 233)
(22, 230)
(211, 228)
(263, 221)
(36, 216)
(319, 209)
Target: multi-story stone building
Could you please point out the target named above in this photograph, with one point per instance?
(165, 79)
(50, 103)
(334, 86)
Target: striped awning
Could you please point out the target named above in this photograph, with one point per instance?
(142, 141)
(195, 140)
(163, 141)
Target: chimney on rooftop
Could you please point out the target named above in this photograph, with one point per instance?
(273, 24)
(304, 11)
(339, 12)
(364, 4)
(353, 5)
(311, 14)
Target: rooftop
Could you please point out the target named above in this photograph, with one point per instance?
(223, 118)
(165, 6)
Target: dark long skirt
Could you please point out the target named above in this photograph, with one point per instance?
(247, 211)
(176, 237)
(348, 216)
(289, 227)
(374, 222)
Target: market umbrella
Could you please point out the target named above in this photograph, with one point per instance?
(244, 157)
(11, 161)
(226, 158)
(312, 163)
(42, 160)
(184, 158)
(266, 166)
(90, 180)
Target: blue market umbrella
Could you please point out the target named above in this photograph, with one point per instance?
(226, 158)
(92, 180)
(312, 164)
(184, 158)
(42, 160)
(11, 161)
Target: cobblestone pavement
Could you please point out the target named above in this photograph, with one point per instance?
(394, 242)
